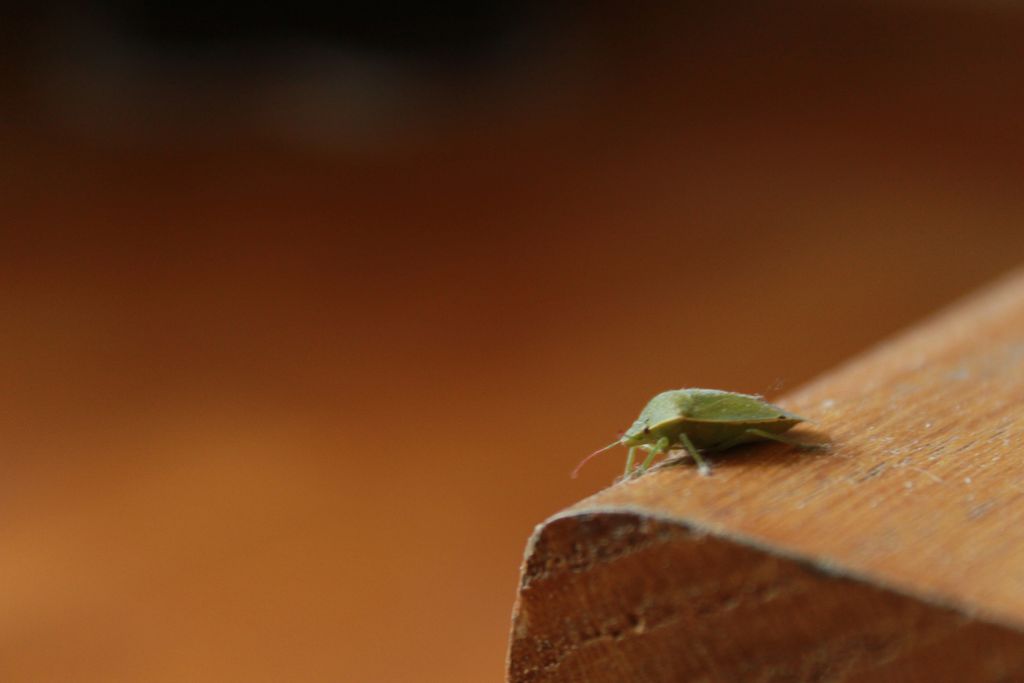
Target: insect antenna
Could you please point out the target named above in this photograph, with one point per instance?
(587, 459)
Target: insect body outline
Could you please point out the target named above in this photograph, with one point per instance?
(695, 420)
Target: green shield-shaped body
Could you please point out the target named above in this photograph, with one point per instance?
(710, 418)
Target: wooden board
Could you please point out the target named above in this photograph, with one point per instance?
(898, 554)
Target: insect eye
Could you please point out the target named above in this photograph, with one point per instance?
(647, 430)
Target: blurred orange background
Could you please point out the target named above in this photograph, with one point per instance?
(300, 336)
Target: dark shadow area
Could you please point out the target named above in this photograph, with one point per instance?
(762, 454)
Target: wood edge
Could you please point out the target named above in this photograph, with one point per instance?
(820, 565)
(816, 566)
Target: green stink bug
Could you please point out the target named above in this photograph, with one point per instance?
(695, 420)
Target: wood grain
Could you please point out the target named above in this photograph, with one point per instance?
(898, 554)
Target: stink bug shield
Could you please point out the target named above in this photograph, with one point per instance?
(692, 421)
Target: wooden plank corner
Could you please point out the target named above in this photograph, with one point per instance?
(896, 555)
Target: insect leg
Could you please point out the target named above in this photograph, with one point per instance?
(629, 461)
(659, 447)
(702, 465)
